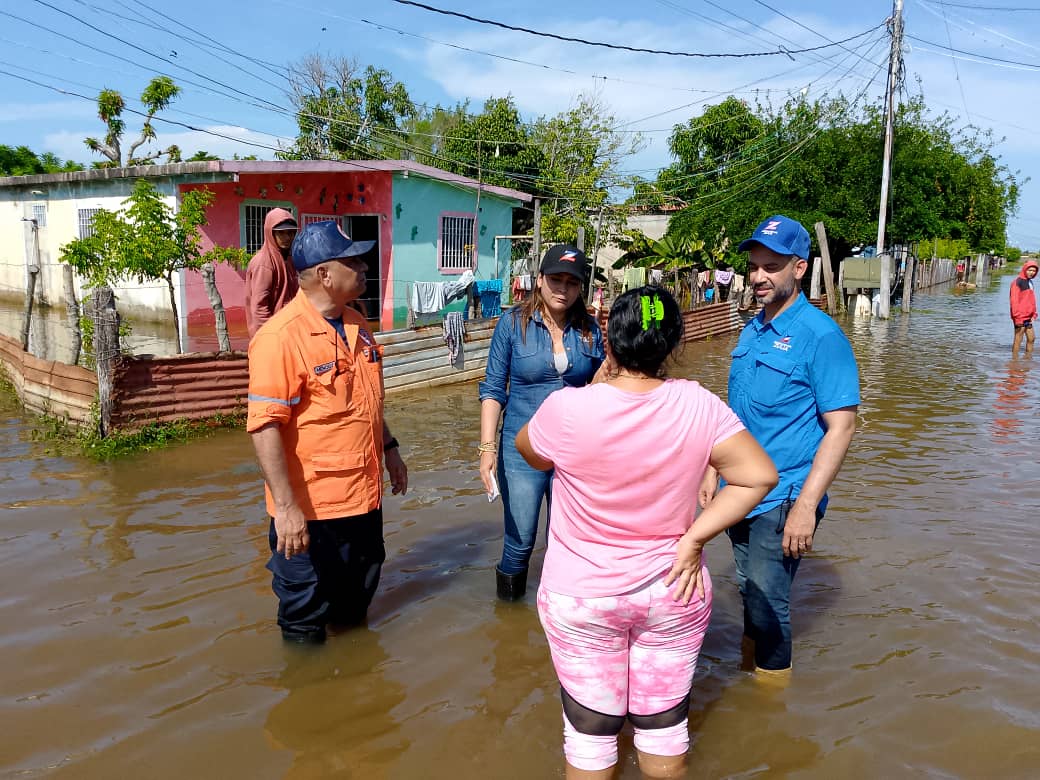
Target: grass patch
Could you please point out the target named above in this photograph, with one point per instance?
(63, 438)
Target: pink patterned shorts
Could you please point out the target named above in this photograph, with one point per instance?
(632, 653)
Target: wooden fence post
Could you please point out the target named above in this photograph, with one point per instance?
(908, 280)
(828, 269)
(30, 288)
(536, 243)
(814, 285)
(106, 349)
(72, 311)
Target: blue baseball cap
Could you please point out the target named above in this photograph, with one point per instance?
(783, 235)
(320, 242)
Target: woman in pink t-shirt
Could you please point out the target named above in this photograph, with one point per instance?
(625, 597)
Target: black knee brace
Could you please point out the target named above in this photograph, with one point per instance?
(590, 722)
(662, 720)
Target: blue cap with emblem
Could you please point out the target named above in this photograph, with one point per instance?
(783, 235)
(320, 242)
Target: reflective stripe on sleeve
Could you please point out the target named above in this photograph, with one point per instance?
(267, 399)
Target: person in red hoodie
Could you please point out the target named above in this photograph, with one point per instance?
(1023, 306)
(270, 277)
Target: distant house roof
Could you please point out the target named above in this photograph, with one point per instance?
(188, 169)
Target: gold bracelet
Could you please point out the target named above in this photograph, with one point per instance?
(488, 446)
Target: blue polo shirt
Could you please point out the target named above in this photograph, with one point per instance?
(785, 374)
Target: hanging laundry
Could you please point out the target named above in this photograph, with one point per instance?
(454, 337)
(489, 292)
(656, 276)
(634, 277)
(428, 297)
(457, 288)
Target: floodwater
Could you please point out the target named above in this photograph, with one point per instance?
(139, 638)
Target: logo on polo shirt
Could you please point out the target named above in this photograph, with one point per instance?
(783, 344)
(324, 368)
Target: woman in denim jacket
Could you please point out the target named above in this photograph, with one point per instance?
(541, 345)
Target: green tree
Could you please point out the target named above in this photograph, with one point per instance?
(495, 147)
(581, 151)
(23, 161)
(344, 113)
(146, 239)
(821, 161)
(156, 97)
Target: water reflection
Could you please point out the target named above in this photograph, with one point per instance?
(337, 714)
(1014, 406)
(139, 623)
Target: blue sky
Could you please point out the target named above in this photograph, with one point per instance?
(229, 58)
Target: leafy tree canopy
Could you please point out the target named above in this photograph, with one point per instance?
(821, 161)
(23, 161)
(156, 97)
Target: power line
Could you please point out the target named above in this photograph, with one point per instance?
(981, 57)
(1031, 9)
(728, 55)
(956, 70)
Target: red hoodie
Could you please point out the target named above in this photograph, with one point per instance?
(1023, 299)
(270, 279)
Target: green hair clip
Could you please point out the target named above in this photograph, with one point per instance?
(653, 312)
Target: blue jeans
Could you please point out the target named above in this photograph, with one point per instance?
(523, 489)
(765, 575)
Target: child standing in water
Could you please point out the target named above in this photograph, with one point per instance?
(1023, 307)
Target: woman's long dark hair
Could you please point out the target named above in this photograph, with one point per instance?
(639, 343)
(577, 316)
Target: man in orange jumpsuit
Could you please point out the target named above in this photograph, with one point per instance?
(315, 416)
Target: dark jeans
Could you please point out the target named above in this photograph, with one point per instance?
(335, 580)
(765, 575)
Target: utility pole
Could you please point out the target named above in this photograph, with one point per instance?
(895, 64)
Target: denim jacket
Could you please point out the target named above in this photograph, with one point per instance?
(520, 373)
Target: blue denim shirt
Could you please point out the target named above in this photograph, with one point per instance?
(520, 373)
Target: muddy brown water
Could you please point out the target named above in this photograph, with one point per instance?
(138, 637)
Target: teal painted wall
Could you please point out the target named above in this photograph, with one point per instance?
(416, 210)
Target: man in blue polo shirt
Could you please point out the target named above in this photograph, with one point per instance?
(794, 384)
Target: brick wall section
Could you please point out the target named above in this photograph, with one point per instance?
(47, 386)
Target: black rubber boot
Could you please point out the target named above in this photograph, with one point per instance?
(511, 587)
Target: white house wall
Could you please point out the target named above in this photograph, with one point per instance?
(62, 203)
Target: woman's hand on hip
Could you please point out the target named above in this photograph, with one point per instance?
(687, 572)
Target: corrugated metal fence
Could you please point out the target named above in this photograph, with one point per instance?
(47, 386)
(199, 385)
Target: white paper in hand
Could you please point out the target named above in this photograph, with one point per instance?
(494, 489)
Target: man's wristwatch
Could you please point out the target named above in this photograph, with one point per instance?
(390, 444)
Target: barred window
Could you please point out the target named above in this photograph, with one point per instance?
(86, 222)
(39, 213)
(455, 243)
(252, 216)
(307, 219)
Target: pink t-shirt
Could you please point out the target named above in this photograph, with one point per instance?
(628, 467)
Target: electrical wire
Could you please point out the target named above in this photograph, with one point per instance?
(619, 47)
